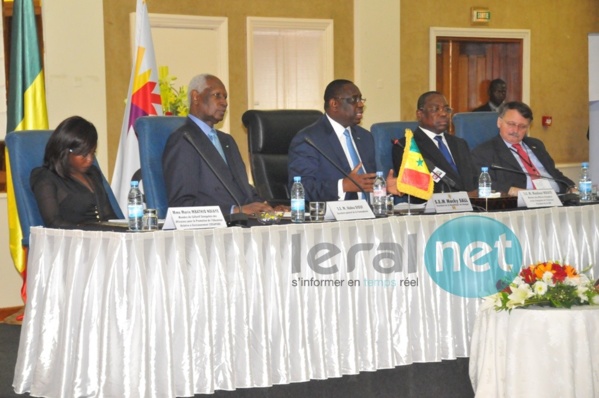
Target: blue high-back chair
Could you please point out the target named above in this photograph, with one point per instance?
(384, 133)
(475, 127)
(152, 134)
(26, 152)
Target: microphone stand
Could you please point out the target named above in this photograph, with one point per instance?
(234, 219)
(331, 161)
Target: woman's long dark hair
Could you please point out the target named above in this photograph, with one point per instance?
(73, 135)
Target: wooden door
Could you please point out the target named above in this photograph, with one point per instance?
(466, 66)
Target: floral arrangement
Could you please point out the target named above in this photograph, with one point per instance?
(547, 284)
(174, 101)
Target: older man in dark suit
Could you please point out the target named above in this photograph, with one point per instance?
(525, 156)
(188, 178)
(438, 148)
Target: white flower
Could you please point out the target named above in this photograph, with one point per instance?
(596, 300)
(540, 288)
(548, 278)
(520, 294)
(517, 281)
(572, 281)
(581, 290)
(492, 301)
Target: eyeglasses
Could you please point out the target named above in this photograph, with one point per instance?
(352, 100)
(436, 109)
(515, 125)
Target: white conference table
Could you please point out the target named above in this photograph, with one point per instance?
(537, 352)
(178, 313)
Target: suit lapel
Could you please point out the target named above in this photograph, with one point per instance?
(506, 155)
(210, 153)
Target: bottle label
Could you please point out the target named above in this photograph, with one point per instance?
(379, 192)
(484, 192)
(297, 205)
(584, 187)
(135, 211)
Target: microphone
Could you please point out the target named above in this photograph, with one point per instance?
(443, 177)
(232, 219)
(435, 171)
(331, 161)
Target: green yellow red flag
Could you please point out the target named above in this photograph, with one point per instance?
(26, 108)
(414, 177)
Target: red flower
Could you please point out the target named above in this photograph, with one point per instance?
(559, 273)
(528, 274)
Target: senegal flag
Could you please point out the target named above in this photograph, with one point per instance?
(26, 105)
(414, 178)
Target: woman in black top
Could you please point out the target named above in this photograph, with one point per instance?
(69, 188)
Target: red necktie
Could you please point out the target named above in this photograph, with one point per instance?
(528, 165)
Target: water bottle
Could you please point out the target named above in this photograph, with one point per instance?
(484, 183)
(379, 195)
(298, 200)
(135, 207)
(585, 184)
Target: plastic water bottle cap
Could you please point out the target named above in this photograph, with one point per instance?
(379, 173)
(134, 183)
(484, 169)
(585, 164)
(297, 179)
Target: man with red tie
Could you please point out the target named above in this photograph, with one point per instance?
(520, 161)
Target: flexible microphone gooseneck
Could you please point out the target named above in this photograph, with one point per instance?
(232, 219)
(510, 170)
(331, 161)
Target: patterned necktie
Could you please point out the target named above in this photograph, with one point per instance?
(355, 159)
(352, 151)
(445, 152)
(528, 165)
(216, 142)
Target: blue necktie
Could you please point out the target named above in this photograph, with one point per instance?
(446, 153)
(352, 151)
(216, 142)
(355, 159)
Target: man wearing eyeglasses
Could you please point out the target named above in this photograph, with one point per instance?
(438, 148)
(348, 147)
(526, 162)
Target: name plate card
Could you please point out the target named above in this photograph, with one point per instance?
(348, 210)
(532, 198)
(449, 202)
(200, 217)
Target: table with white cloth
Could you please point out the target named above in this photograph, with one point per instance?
(178, 313)
(536, 352)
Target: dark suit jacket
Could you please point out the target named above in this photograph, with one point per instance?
(483, 108)
(319, 176)
(496, 152)
(190, 182)
(466, 180)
